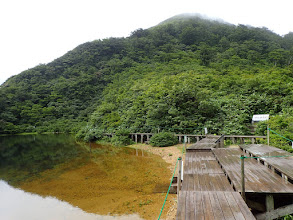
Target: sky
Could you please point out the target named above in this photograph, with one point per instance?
(34, 32)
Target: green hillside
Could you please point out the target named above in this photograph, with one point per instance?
(184, 74)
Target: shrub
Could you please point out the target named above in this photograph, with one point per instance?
(89, 134)
(121, 137)
(163, 139)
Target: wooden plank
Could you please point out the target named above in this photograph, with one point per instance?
(190, 183)
(218, 213)
(243, 206)
(234, 206)
(258, 178)
(190, 210)
(213, 182)
(225, 208)
(199, 210)
(181, 206)
(207, 207)
(196, 182)
(196, 175)
(188, 206)
(283, 164)
(223, 184)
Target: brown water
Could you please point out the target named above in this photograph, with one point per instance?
(109, 181)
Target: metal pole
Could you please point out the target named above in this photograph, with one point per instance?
(242, 178)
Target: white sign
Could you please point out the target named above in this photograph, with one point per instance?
(263, 117)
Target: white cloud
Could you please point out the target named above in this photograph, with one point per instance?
(34, 31)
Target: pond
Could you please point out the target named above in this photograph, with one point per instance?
(75, 179)
(16, 204)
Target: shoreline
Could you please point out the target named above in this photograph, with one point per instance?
(112, 180)
(139, 184)
(169, 155)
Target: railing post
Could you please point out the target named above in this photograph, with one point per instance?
(222, 143)
(268, 135)
(179, 176)
(242, 178)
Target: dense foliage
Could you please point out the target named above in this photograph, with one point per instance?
(280, 130)
(185, 73)
(163, 139)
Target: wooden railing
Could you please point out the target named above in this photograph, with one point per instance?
(193, 138)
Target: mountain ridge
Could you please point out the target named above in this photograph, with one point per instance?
(134, 82)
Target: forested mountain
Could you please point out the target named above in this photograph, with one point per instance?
(185, 73)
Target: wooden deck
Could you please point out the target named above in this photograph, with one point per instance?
(212, 182)
(283, 165)
(204, 144)
(203, 173)
(216, 205)
(206, 192)
(258, 178)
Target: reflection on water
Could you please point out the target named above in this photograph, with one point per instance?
(109, 180)
(16, 204)
(34, 153)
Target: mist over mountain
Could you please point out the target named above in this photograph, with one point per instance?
(186, 73)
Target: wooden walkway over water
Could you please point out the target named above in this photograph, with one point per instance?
(212, 182)
(258, 178)
(280, 164)
(206, 192)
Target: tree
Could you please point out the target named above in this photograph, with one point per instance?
(206, 54)
(278, 57)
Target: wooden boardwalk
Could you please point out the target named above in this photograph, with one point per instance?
(212, 182)
(216, 205)
(203, 173)
(283, 165)
(258, 178)
(206, 192)
(205, 144)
